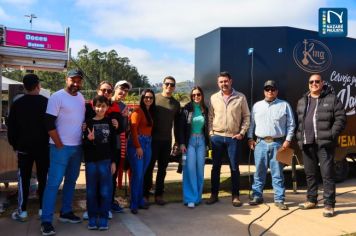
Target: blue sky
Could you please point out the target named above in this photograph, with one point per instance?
(158, 35)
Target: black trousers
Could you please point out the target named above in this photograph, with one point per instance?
(117, 154)
(161, 149)
(25, 163)
(312, 156)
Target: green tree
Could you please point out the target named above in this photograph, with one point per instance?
(13, 74)
(182, 98)
(99, 66)
(96, 65)
(52, 80)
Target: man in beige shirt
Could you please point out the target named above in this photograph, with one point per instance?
(229, 120)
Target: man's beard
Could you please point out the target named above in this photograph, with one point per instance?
(73, 89)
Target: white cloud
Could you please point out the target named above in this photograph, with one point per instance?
(44, 24)
(154, 69)
(3, 15)
(19, 2)
(179, 22)
(351, 27)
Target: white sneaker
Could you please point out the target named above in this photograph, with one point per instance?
(191, 205)
(19, 216)
(85, 215)
(110, 215)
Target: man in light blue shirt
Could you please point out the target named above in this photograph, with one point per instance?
(272, 122)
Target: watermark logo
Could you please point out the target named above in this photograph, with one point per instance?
(332, 22)
(312, 56)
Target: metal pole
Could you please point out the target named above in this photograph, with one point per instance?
(1, 92)
(294, 173)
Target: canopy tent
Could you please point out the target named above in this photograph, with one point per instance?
(6, 81)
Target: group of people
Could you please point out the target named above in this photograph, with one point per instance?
(102, 130)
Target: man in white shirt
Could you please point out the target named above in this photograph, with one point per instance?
(64, 118)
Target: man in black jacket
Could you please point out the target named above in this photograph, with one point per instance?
(28, 136)
(321, 118)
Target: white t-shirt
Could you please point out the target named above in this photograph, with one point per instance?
(70, 113)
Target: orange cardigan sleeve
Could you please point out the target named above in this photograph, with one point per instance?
(136, 117)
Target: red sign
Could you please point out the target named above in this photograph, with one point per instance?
(35, 40)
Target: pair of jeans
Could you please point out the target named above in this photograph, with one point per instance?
(312, 156)
(193, 170)
(265, 156)
(25, 162)
(138, 168)
(221, 145)
(64, 162)
(98, 181)
(161, 150)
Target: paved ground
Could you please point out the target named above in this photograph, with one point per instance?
(218, 219)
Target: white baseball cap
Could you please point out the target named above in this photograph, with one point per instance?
(121, 83)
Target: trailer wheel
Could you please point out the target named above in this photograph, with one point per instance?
(341, 170)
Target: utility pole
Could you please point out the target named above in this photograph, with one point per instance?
(32, 16)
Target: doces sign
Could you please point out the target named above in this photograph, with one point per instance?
(35, 40)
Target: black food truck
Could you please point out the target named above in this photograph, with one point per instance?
(289, 56)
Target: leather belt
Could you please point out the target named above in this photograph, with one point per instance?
(270, 139)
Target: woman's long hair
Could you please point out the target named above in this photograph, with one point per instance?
(148, 113)
(201, 103)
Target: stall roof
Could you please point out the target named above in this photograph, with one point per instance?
(6, 81)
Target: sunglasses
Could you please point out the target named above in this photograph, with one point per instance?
(196, 95)
(270, 89)
(148, 97)
(109, 91)
(314, 81)
(170, 84)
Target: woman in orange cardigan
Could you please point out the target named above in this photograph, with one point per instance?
(139, 147)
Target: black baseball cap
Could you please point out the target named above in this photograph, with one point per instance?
(270, 83)
(75, 73)
(30, 81)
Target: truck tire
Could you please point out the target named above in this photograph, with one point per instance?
(341, 170)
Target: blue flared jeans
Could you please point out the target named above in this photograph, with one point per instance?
(138, 168)
(193, 170)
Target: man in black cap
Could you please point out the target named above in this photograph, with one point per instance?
(64, 118)
(28, 136)
(272, 122)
